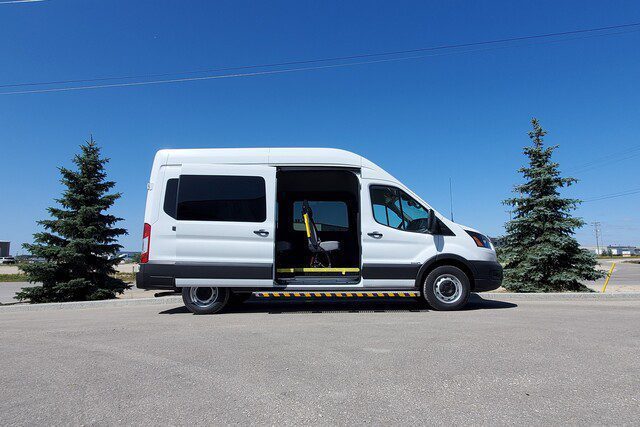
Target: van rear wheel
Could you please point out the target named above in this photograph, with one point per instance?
(204, 299)
(446, 288)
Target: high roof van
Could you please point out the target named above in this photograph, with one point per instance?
(222, 223)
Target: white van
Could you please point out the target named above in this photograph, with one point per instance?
(222, 223)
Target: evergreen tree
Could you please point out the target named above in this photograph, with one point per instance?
(540, 250)
(79, 243)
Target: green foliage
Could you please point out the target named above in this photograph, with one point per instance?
(136, 257)
(79, 243)
(540, 251)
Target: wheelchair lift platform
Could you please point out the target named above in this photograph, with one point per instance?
(319, 270)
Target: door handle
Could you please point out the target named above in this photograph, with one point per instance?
(375, 235)
(262, 232)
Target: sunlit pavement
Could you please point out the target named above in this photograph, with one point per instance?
(530, 362)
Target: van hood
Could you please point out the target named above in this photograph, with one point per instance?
(465, 228)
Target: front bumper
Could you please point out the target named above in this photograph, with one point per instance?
(487, 275)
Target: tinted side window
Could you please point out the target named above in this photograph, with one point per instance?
(395, 208)
(327, 215)
(170, 197)
(222, 198)
(386, 206)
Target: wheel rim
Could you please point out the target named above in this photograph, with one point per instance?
(203, 296)
(447, 288)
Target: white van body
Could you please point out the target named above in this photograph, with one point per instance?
(191, 252)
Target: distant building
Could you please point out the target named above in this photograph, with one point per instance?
(497, 241)
(5, 248)
(127, 256)
(622, 250)
(593, 249)
(614, 250)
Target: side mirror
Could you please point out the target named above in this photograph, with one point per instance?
(433, 222)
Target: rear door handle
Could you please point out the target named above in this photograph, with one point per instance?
(262, 232)
(375, 235)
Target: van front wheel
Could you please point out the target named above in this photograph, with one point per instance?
(205, 300)
(446, 288)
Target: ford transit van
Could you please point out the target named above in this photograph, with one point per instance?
(222, 223)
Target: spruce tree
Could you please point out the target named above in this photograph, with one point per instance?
(79, 244)
(540, 250)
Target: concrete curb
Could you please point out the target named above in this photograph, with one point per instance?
(559, 296)
(177, 300)
(80, 305)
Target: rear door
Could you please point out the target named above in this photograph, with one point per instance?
(394, 238)
(225, 225)
(164, 236)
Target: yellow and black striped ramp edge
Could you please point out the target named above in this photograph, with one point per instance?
(334, 294)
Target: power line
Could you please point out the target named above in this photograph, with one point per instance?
(607, 159)
(191, 79)
(291, 70)
(21, 1)
(614, 195)
(302, 62)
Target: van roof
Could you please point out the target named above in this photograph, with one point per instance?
(278, 156)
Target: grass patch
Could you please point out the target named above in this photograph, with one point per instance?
(17, 277)
(126, 277)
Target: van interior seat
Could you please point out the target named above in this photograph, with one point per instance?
(334, 196)
(330, 246)
(315, 244)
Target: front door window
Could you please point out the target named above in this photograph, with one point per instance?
(395, 208)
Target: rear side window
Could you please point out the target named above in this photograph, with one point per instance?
(171, 197)
(222, 198)
(327, 215)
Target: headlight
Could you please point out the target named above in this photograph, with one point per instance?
(482, 241)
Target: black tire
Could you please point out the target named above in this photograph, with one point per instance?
(205, 300)
(239, 297)
(446, 288)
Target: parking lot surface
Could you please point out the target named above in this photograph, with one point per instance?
(359, 362)
(625, 277)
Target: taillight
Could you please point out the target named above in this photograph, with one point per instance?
(146, 240)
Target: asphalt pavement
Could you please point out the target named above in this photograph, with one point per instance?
(534, 362)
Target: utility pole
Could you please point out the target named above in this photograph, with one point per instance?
(596, 228)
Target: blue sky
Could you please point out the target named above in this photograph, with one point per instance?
(462, 115)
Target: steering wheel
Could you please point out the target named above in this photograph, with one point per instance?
(419, 224)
